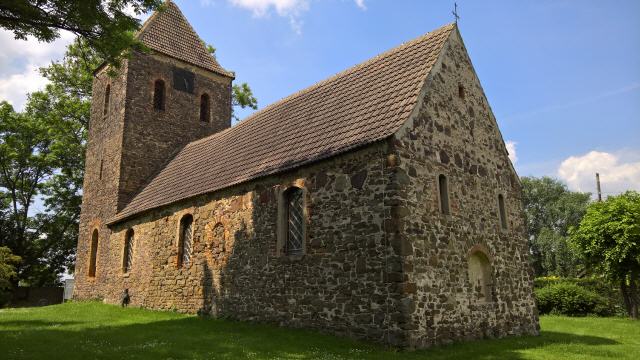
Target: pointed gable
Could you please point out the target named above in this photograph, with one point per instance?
(361, 105)
(168, 32)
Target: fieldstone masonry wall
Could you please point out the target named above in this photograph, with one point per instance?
(347, 283)
(454, 133)
(102, 171)
(133, 141)
(381, 262)
(152, 137)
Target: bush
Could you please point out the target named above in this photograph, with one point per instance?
(610, 294)
(8, 261)
(570, 299)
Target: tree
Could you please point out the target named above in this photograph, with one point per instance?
(53, 130)
(608, 238)
(241, 95)
(105, 25)
(8, 262)
(42, 154)
(550, 210)
(27, 163)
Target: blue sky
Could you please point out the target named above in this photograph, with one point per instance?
(562, 77)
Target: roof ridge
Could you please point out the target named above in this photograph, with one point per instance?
(355, 107)
(146, 23)
(350, 69)
(146, 30)
(326, 80)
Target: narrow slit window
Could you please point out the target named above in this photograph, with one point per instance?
(443, 188)
(205, 112)
(502, 211)
(107, 100)
(461, 91)
(295, 234)
(185, 240)
(93, 253)
(127, 260)
(101, 168)
(158, 95)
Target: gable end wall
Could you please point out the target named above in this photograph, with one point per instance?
(459, 137)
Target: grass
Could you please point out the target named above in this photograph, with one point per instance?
(90, 330)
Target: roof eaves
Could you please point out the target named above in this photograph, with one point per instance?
(401, 111)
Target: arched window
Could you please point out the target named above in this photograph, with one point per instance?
(158, 95)
(294, 210)
(443, 191)
(480, 276)
(107, 100)
(205, 113)
(185, 240)
(502, 212)
(127, 258)
(93, 252)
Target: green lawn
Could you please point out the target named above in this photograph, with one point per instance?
(97, 331)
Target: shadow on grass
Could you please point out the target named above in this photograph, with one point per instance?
(196, 338)
(35, 323)
(553, 344)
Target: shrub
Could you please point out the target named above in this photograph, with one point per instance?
(8, 261)
(610, 294)
(570, 299)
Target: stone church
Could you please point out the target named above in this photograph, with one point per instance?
(378, 204)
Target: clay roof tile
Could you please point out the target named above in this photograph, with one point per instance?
(358, 106)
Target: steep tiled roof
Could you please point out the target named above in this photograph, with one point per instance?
(169, 32)
(363, 104)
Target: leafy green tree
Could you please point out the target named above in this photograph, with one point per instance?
(27, 162)
(241, 94)
(557, 256)
(550, 210)
(104, 24)
(53, 130)
(608, 238)
(42, 157)
(8, 262)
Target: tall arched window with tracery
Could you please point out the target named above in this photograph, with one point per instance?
(127, 259)
(93, 253)
(295, 225)
(185, 240)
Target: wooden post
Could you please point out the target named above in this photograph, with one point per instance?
(598, 185)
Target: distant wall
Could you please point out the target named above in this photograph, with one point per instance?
(36, 296)
(68, 288)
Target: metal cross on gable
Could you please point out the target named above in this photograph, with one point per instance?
(455, 12)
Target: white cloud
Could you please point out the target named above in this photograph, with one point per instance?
(361, 5)
(19, 63)
(618, 172)
(291, 9)
(261, 8)
(511, 148)
(15, 87)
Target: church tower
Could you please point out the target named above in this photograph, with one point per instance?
(156, 103)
